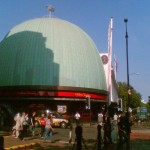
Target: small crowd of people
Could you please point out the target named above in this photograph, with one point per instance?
(116, 128)
(25, 125)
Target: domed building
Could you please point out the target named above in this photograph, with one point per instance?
(51, 61)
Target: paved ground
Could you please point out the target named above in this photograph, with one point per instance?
(140, 139)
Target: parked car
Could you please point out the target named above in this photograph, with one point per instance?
(57, 120)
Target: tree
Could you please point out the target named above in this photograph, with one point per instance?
(134, 97)
(148, 106)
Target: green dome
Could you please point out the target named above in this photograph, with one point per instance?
(50, 52)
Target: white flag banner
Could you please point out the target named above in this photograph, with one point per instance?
(115, 66)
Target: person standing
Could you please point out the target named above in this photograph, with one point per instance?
(121, 133)
(78, 132)
(48, 128)
(115, 119)
(28, 121)
(128, 125)
(107, 131)
(77, 118)
(42, 122)
(33, 123)
(114, 133)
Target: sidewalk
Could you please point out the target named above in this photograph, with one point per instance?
(140, 139)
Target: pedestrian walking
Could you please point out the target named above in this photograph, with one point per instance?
(42, 121)
(18, 125)
(48, 128)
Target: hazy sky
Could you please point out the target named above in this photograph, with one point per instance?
(93, 16)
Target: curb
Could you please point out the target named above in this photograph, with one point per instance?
(23, 147)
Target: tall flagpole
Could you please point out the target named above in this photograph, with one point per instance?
(109, 82)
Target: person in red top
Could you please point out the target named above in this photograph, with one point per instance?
(42, 122)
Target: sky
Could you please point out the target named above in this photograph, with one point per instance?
(93, 16)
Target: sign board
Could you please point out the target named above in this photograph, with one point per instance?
(142, 115)
(119, 109)
(61, 108)
(144, 110)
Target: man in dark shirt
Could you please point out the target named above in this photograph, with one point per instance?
(124, 130)
(128, 125)
(33, 123)
(121, 132)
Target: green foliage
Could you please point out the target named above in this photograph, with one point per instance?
(148, 106)
(134, 97)
(143, 104)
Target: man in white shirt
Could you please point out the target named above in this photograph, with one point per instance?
(115, 119)
(100, 118)
(77, 117)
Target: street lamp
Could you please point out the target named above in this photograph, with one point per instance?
(129, 88)
(134, 73)
(126, 36)
(129, 92)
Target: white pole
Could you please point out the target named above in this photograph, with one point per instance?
(110, 59)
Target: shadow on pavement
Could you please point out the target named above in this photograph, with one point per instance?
(135, 145)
